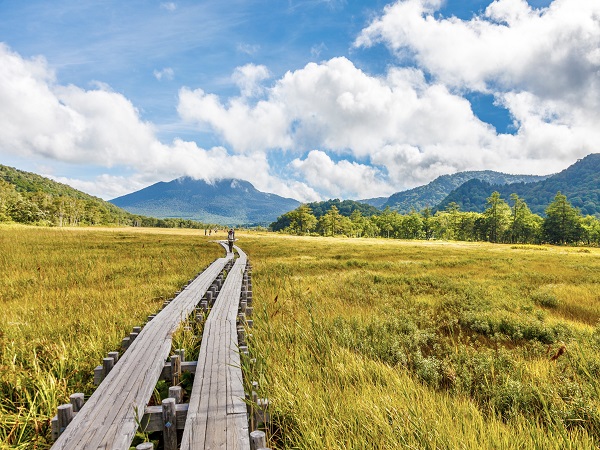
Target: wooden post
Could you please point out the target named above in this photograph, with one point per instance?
(65, 415)
(125, 342)
(241, 335)
(209, 296)
(175, 370)
(137, 330)
(77, 401)
(98, 375)
(262, 411)
(114, 355)
(170, 424)
(257, 440)
(145, 446)
(176, 392)
(181, 353)
(107, 365)
(132, 337)
(55, 430)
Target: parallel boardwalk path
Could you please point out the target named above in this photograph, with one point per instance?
(108, 420)
(216, 415)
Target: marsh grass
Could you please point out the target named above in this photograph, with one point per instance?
(363, 344)
(390, 344)
(70, 296)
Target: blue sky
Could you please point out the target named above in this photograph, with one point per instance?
(309, 99)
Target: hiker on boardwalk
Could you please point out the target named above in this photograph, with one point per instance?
(230, 239)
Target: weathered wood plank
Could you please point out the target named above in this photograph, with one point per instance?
(108, 418)
(217, 413)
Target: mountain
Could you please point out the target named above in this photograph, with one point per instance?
(579, 182)
(226, 202)
(377, 202)
(433, 193)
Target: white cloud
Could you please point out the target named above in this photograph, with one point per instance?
(336, 106)
(249, 78)
(167, 73)
(101, 128)
(511, 44)
(551, 53)
(341, 179)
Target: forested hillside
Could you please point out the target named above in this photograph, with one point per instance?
(433, 193)
(579, 182)
(32, 199)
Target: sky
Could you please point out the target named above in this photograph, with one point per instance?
(309, 99)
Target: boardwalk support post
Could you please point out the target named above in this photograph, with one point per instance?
(257, 440)
(145, 446)
(65, 415)
(176, 392)
(170, 424)
(77, 401)
(175, 370)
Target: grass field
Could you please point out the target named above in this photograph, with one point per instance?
(359, 343)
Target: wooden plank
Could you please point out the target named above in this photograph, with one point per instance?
(217, 413)
(108, 418)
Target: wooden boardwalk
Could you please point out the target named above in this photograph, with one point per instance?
(217, 417)
(109, 419)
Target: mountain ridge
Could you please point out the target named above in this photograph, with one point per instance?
(431, 194)
(228, 201)
(580, 182)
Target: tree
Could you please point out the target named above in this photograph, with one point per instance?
(591, 230)
(562, 224)
(302, 219)
(524, 225)
(330, 222)
(427, 223)
(8, 198)
(496, 217)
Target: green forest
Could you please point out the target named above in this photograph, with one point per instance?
(28, 198)
(502, 222)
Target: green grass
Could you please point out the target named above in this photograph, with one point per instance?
(366, 344)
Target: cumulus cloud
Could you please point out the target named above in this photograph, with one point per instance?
(343, 178)
(102, 128)
(550, 55)
(551, 52)
(338, 107)
(249, 78)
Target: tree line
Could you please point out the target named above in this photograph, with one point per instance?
(501, 222)
(58, 209)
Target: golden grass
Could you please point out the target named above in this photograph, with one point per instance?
(382, 344)
(360, 343)
(70, 296)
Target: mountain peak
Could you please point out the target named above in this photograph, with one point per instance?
(228, 201)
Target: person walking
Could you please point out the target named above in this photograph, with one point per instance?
(231, 239)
